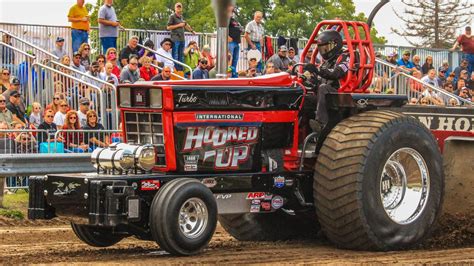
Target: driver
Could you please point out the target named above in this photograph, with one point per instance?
(334, 68)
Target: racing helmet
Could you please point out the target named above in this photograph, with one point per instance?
(329, 44)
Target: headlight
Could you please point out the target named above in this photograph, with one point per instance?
(145, 155)
(156, 98)
(125, 97)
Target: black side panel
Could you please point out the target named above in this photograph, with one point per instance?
(233, 98)
(277, 135)
(37, 207)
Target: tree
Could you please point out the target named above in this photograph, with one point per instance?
(434, 23)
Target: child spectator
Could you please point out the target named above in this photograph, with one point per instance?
(35, 116)
(60, 116)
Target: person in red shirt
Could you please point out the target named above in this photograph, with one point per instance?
(466, 41)
(146, 70)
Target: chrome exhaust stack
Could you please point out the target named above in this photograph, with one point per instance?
(221, 8)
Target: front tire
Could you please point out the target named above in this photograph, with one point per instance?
(183, 217)
(95, 236)
(379, 182)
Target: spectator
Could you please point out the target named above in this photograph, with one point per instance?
(76, 64)
(405, 62)
(80, 24)
(35, 116)
(270, 68)
(441, 79)
(431, 78)
(111, 56)
(147, 71)
(14, 106)
(59, 51)
(392, 58)
(201, 71)
(129, 50)
(206, 53)
(464, 94)
(131, 72)
(108, 26)
(252, 72)
(66, 60)
(450, 78)
(164, 75)
(292, 56)
(60, 115)
(8, 54)
(7, 145)
(177, 25)
(308, 56)
(93, 72)
(448, 87)
(96, 139)
(428, 65)
(459, 85)
(49, 126)
(470, 83)
(461, 67)
(432, 96)
(84, 51)
(191, 56)
(101, 61)
(26, 143)
(54, 105)
(84, 105)
(73, 141)
(416, 62)
(235, 31)
(414, 85)
(143, 53)
(466, 41)
(453, 102)
(254, 33)
(165, 51)
(108, 74)
(5, 115)
(242, 74)
(15, 86)
(280, 60)
(445, 65)
(5, 80)
(463, 76)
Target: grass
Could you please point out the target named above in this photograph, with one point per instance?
(15, 205)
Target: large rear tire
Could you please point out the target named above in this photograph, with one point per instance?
(378, 182)
(95, 236)
(183, 217)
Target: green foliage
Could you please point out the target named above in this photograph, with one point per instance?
(15, 214)
(295, 18)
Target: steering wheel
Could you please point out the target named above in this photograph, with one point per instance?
(308, 81)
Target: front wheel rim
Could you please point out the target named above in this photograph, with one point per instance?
(404, 186)
(193, 218)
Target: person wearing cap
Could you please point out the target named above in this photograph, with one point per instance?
(405, 62)
(80, 24)
(392, 58)
(201, 71)
(457, 71)
(445, 65)
(5, 114)
(93, 72)
(108, 25)
(280, 60)
(76, 64)
(14, 106)
(254, 33)
(59, 51)
(177, 24)
(466, 42)
(292, 56)
(235, 31)
(84, 106)
(15, 86)
(164, 53)
(441, 78)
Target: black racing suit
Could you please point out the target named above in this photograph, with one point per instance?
(331, 72)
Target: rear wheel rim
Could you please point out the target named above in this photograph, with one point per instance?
(193, 218)
(404, 186)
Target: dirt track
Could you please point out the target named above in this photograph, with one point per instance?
(57, 244)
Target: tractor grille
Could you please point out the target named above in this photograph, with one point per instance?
(146, 128)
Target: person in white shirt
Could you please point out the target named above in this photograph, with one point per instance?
(108, 75)
(60, 115)
(430, 78)
(84, 106)
(165, 50)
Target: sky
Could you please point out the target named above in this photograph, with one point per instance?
(54, 12)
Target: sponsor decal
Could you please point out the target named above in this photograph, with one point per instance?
(255, 195)
(223, 156)
(446, 122)
(255, 202)
(255, 208)
(223, 196)
(236, 117)
(289, 182)
(266, 206)
(209, 182)
(149, 184)
(268, 196)
(277, 202)
(191, 163)
(62, 189)
(186, 98)
(279, 181)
